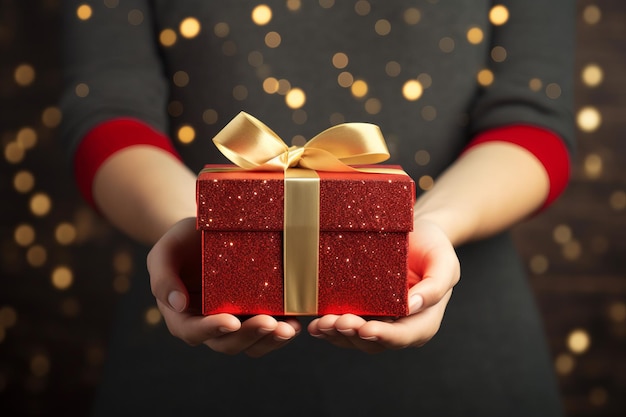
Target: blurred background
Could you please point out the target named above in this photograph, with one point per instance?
(62, 268)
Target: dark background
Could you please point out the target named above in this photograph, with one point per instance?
(62, 268)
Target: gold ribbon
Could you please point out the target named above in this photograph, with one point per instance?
(251, 145)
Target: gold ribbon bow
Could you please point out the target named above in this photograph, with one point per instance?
(252, 146)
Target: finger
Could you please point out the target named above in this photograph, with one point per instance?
(284, 333)
(441, 273)
(251, 331)
(165, 263)
(195, 330)
(414, 330)
(349, 326)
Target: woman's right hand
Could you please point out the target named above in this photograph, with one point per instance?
(176, 259)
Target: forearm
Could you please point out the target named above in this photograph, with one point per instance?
(488, 189)
(143, 191)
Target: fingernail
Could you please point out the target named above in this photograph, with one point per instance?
(369, 338)
(347, 332)
(177, 301)
(415, 302)
(225, 330)
(280, 338)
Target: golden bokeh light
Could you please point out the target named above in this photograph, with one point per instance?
(598, 396)
(121, 284)
(24, 235)
(273, 39)
(393, 68)
(51, 117)
(592, 14)
(135, 17)
(373, 106)
(340, 60)
(298, 140)
(572, 250)
(336, 118)
(26, 137)
(8, 317)
(152, 316)
(221, 29)
(210, 116)
(240, 92)
(564, 364)
(84, 12)
(295, 98)
(294, 5)
(593, 165)
(617, 312)
(539, 264)
(422, 157)
(617, 200)
(186, 134)
(362, 7)
(592, 75)
(535, 84)
(426, 182)
(62, 277)
(36, 256)
(23, 181)
(270, 85)
(498, 54)
(446, 44)
(284, 86)
(111, 4)
(167, 37)
(14, 153)
(175, 108)
(382, 27)
(475, 35)
(40, 204)
(578, 341)
(498, 15)
(123, 262)
(412, 90)
(588, 119)
(345, 79)
(255, 59)
(425, 79)
(81, 90)
(40, 365)
(359, 88)
(412, 16)
(553, 90)
(65, 233)
(180, 78)
(261, 14)
(485, 77)
(327, 4)
(24, 75)
(189, 27)
(562, 234)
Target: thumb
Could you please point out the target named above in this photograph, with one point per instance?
(167, 261)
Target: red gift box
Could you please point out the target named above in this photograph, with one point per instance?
(364, 220)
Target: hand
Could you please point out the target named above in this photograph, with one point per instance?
(175, 258)
(433, 271)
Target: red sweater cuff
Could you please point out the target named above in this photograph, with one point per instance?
(106, 139)
(545, 145)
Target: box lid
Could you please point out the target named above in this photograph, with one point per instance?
(349, 201)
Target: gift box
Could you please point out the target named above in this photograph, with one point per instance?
(304, 241)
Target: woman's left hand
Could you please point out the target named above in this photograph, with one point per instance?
(433, 271)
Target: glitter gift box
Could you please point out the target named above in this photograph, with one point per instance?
(364, 220)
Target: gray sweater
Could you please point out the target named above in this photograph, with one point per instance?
(432, 74)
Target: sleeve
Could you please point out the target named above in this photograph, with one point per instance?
(530, 101)
(114, 88)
